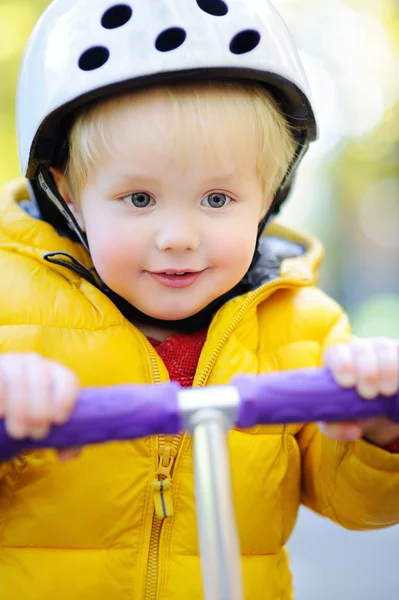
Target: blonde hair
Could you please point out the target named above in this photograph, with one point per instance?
(197, 111)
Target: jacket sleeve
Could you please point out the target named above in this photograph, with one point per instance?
(354, 484)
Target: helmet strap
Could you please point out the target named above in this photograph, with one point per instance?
(286, 184)
(47, 185)
(281, 194)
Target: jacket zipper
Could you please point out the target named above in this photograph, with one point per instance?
(168, 447)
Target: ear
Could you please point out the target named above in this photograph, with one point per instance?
(64, 189)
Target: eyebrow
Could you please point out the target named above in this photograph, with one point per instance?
(111, 179)
(121, 178)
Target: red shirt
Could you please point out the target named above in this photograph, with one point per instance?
(181, 352)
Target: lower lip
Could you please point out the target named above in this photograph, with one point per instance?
(176, 281)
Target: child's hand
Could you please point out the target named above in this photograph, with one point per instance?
(372, 366)
(36, 393)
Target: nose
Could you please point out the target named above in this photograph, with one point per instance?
(178, 233)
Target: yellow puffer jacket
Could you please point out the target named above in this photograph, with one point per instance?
(86, 529)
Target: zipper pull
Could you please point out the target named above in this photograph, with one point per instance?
(161, 486)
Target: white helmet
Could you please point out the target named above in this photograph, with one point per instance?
(83, 50)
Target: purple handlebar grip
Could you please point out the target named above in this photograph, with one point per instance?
(104, 414)
(134, 411)
(305, 396)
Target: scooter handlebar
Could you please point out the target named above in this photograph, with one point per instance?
(133, 411)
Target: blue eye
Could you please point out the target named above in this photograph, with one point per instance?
(139, 199)
(217, 200)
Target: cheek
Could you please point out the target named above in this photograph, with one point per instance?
(112, 247)
(241, 249)
(235, 249)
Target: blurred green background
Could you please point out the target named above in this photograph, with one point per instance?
(348, 188)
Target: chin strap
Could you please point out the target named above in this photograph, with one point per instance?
(281, 194)
(47, 185)
(286, 185)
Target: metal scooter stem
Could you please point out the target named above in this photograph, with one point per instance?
(218, 538)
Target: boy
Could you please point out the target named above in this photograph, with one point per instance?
(158, 142)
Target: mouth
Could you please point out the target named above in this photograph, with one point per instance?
(173, 278)
(179, 273)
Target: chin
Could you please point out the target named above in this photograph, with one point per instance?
(172, 314)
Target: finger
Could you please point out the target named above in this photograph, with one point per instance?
(340, 360)
(388, 365)
(367, 369)
(69, 453)
(66, 389)
(341, 432)
(4, 369)
(39, 377)
(16, 397)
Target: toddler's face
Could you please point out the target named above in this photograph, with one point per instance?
(167, 235)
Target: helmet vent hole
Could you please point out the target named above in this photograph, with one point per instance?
(170, 39)
(116, 16)
(93, 58)
(217, 8)
(245, 41)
